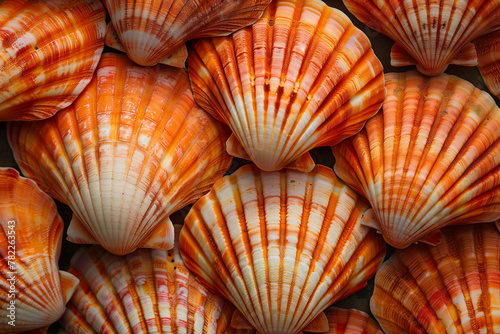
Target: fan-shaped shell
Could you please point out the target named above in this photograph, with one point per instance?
(33, 290)
(147, 291)
(48, 52)
(488, 56)
(281, 246)
(343, 321)
(431, 158)
(430, 34)
(151, 31)
(302, 76)
(130, 151)
(450, 288)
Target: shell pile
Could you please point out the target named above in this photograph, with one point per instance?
(103, 117)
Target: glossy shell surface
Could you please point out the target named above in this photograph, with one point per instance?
(48, 52)
(33, 290)
(429, 159)
(488, 55)
(450, 288)
(281, 246)
(151, 31)
(130, 151)
(430, 34)
(352, 321)
(301, 77)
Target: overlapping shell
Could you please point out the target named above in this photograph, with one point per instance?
(33, 290)
(148, 291)
(343, 321)
(301, 77)
(488, 56)
(450, 288)
(281, 246)
(151, 31)
(430, 158)
(430, 34)
(130, 151)
(48, 52)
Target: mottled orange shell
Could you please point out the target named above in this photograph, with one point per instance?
(430, 158)
(147, 291)
(151, 31)
(430, 34)
(33, 292)
(488, 56)
(342, 321)
(281, 246)
(131, 150)
(49, 50)
(301, 77)
(450, 288)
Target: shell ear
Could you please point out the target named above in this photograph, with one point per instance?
(304, 163)
(79, 234)
(238, 321)
(234, 148)
(162, 236)
(69, 283)
(399, 56)
(318, 325)
(466, 57)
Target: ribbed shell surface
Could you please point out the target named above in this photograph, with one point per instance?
(488, 56)
(342, 321)
(450, 288)
(430, 33)
(430, 158)
(281, 246)
(48, 52)
(151, 31)
(301, 77)
(33, 291)
(130, 151)
(147, 291)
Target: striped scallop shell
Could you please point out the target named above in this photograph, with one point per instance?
(450, 288)
(148, 291)
(343, 321)
(301, 77)
(48, 52)
(151, 31)
(281, 246)
(430, 158)
(430, 34)
(488, 56)
(33, 290)
(131, 150)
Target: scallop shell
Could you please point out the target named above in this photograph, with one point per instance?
(281, 246)
(151, 31)
(451, 288)
(429, 159)
(33, 290)
(430, 34)
(488, 56)
(130, 151)
(48, 52)
(301, 77)
(342, 321)
(148, 291)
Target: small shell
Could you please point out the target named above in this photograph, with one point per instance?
(301, 77)
(33, 290)
(430, 34)
(342, 321)
(281, 246)
(488, 56)
(48, 52)
(130, 151)
(151, 31)
(148, 291)
(450, 288)
(429, 159)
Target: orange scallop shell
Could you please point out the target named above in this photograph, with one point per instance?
(301, 77)
(131, 150)
(453, 287)
(33, 289)
(281, 246)
(488, 56)
(152, 31)
(431, 158)
(48, 52)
